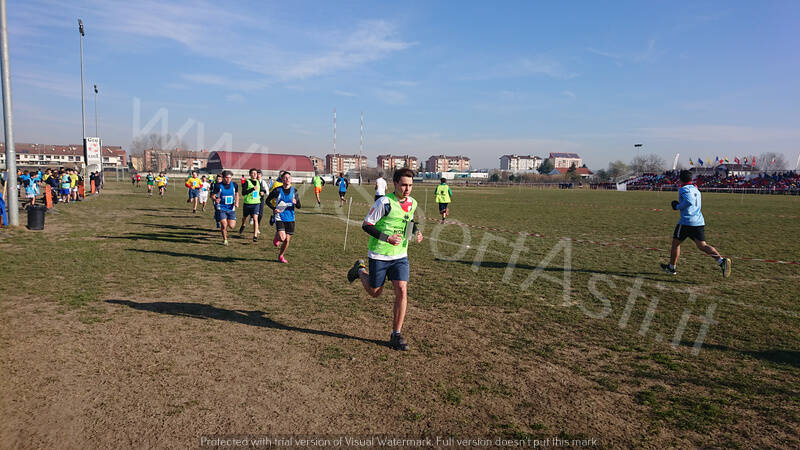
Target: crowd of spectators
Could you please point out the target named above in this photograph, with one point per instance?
(777, 182)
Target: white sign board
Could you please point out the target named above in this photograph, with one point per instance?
(91, 150)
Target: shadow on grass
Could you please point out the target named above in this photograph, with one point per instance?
(158, 209)
(209, 258)
(171, 216)
(177, 227)
(252, 318)
(787, 357)
(502, 265)
(162, 237)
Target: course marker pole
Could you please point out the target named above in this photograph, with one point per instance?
(426, 202)
(347, 227)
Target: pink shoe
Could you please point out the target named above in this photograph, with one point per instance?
(283, 260)
(276, 242)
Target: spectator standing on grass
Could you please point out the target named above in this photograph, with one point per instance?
(443, 196)
(380, 186)
(691, 225)
(31, 191)
(285, 200)
(226, 200)
(390, 224)
(343, 184)
(66, 181)
(73, 186)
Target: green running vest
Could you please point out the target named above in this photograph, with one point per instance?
(442, 194)
(254, 197)
(397, 221)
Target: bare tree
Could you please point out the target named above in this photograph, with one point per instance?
(157, 142)
(770, 161)
(617, 169)
(647, 164)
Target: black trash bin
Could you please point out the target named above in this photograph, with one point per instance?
(36, 217)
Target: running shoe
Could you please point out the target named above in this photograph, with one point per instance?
(255, 238)
(726, 267)
(397, 342)
(276, 242)
(225, 242)
(352, 274)
(283, 260)
(665, 268)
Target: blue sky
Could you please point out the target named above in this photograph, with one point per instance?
(480, 79)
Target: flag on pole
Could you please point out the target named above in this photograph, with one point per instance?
(736, 160)
(699, 161)
(691, 163)
(726, 160)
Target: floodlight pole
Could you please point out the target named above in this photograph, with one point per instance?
(96, 133)
(83, 112)
(12, 203)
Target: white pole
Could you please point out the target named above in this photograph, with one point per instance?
(426, 203)
(797, 166)
(12, 202)
(347, 226)
(361, 148)
(675, 164)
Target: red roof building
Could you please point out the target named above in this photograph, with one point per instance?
(270, 163)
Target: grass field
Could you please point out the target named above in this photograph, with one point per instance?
(127, 324)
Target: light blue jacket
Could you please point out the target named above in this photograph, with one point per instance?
(689, 204)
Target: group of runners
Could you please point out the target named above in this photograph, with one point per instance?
(152, 181)
(390, 224)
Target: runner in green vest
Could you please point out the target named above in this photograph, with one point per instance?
(318, 183)
(443, 195)
(390, 223)
(252, 194)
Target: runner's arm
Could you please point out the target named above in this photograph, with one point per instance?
(685, 200)
(272, 196)
(380, 208)
(297, 200)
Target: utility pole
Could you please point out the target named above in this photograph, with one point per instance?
(83, 112)
(12, 202)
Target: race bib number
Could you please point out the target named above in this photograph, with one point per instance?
(227, 199)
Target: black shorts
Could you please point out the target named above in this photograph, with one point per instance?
(341, 195)
(443, 207)
(682, 232)
(287, 227)
(251, 209)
